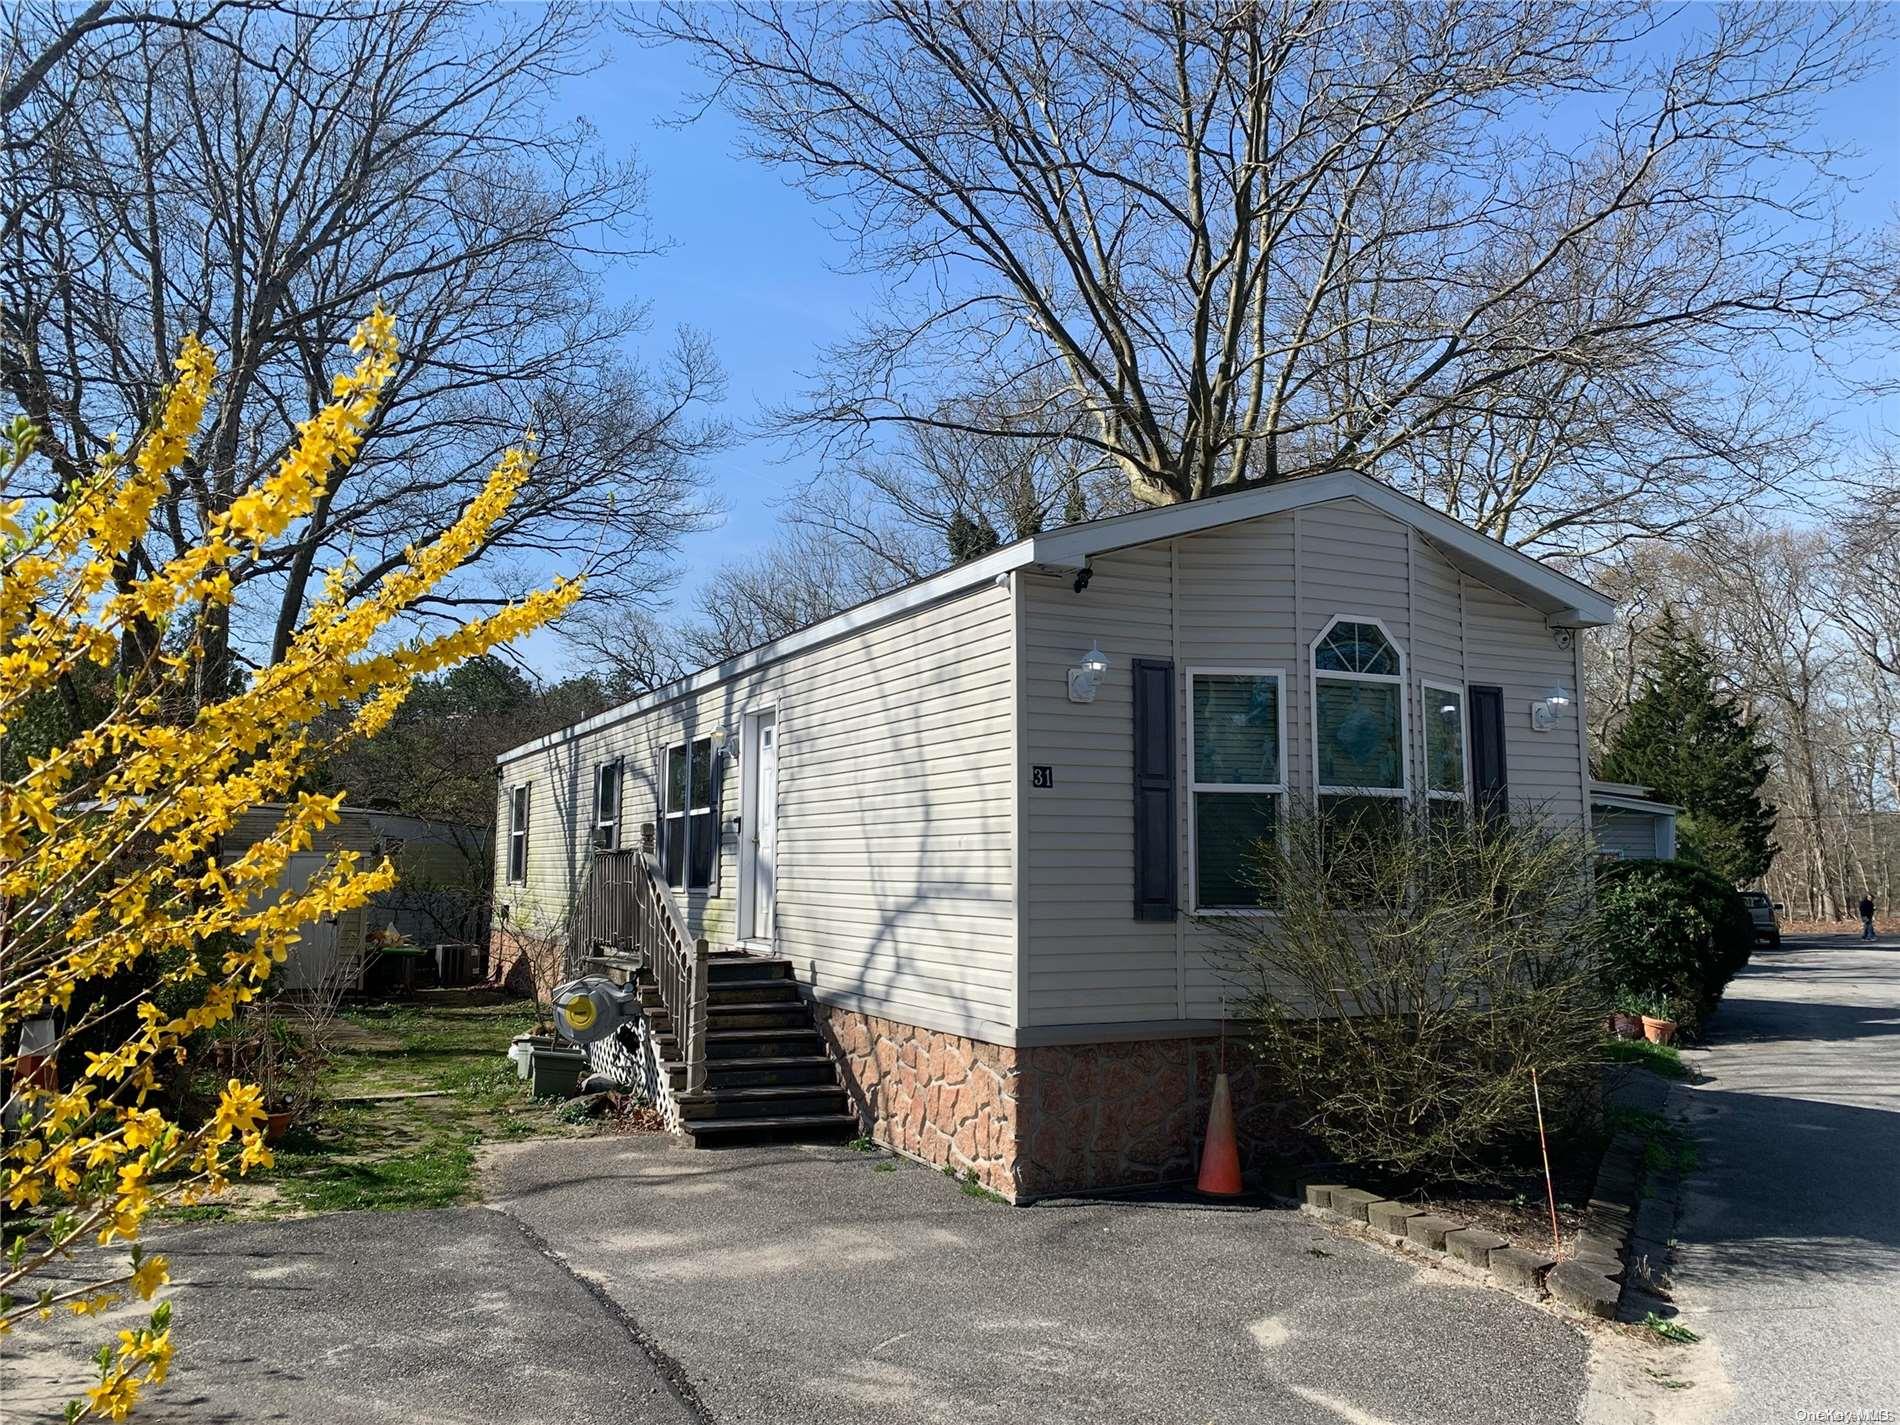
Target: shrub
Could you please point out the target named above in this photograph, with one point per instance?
(1412, 975)
(1671, 928)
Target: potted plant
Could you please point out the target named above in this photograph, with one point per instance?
(1659, 1014)
(543, 958)
(554, 1070)
(1626, 1017)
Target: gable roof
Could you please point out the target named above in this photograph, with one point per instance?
(1564, 602)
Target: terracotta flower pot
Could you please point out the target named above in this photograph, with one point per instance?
(1626, 1026)
(1659, 1031)
(276, 1125)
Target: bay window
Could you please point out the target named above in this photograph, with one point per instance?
(1236, 732)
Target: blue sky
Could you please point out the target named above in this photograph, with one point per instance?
(750, 263)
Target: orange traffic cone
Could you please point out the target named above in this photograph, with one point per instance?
(1220, 1156)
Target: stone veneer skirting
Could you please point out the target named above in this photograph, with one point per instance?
(948, 1100)
(1045, 1120)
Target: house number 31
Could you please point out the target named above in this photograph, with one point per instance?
(1042, 776)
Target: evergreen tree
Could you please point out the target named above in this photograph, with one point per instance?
(971, 538)
(1696, 747)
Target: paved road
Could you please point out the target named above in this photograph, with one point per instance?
(1789, 1239)
(803, 1285)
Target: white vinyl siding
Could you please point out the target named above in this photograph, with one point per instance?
(906, 752)
(895, 869)
(1250, 595)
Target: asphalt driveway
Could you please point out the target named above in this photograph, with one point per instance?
(1788, 1245)
(806, 1285)
(632, 1281)
(455, 1317)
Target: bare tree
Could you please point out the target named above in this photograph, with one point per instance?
(1542, 263)
(806, 574)
(262, 179)
(1787, 612)
(900, 506)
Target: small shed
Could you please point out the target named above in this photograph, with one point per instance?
(1630, 825)
(439, 897)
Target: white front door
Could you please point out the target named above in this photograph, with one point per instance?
(759, 832)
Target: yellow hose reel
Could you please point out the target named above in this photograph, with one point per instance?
(593, 1008)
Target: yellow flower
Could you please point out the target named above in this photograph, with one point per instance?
(240, 1109)
(150, 1274)
(114, 1396)
(255, 1154)
(108, 840)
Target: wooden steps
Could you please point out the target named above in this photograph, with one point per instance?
(769, 1077)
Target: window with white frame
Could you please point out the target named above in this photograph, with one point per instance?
(518, 833)
(607, 806)
(1236, 733)
(1445, 777)
(1358, 711)
(689, 843)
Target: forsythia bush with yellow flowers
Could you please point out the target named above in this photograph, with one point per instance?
(109, 841)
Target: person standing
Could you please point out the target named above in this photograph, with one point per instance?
(1866, 917)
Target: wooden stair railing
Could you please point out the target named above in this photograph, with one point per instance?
(628, 908)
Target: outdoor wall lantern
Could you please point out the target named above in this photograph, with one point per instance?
(1085, 679)
(1555, 704)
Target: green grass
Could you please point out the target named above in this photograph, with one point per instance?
(198, 1212)
(1670, 1330)
(1662, 1059)
(438, 1175)
(401, 1154)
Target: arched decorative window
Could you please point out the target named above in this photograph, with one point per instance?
(1359, 744)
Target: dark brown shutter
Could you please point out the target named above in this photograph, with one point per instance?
(1488, 782)
(1154, 789)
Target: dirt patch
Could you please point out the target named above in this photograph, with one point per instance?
(1521, 1223)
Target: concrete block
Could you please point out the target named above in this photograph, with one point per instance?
(1391, 1217)
(1352, 1202)
(1581, 1287)
(1428, 1230)
(1615, 1186)
(1520, 1268)
(1601, 1250)
(1608, 1211)
(1655, 1219)
(1473, 1245)
(1320, 1195)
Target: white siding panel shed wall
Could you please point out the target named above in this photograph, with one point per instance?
(1633, 835)
(896, 772)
